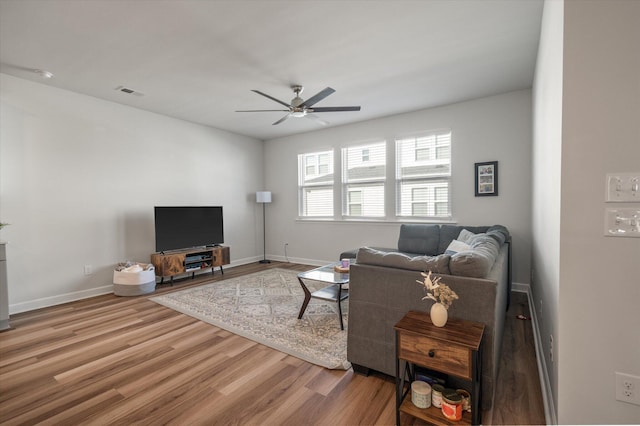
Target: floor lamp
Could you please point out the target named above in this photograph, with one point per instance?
(264, 197)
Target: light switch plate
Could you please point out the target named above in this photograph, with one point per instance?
(622, 222)
(623, 187)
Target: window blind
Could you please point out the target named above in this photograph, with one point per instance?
(423, 175)
(315, 184)
(364, 175)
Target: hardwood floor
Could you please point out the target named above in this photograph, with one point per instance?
(125, 360)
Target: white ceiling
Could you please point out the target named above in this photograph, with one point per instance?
(198, 60)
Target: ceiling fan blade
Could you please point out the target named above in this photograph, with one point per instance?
(271, 97)
(333, 109)
(317, 97)
(317, 120)
(262, 110)
(282, 119)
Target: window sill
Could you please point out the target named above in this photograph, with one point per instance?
(380, 221)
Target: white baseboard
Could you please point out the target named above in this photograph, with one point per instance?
(300, 260)
(521, 287)
(545, 383)
(46, 302)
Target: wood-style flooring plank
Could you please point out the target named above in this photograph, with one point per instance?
(127, 360)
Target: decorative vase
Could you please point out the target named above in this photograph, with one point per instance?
(439, 315)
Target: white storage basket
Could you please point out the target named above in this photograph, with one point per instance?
(126, 283)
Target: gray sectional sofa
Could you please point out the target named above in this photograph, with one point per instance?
(383, 288)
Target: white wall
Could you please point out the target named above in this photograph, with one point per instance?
(599, 325)
(487, 129)
(546, 195)
(79, 179)
(586, 125)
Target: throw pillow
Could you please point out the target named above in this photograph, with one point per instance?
(456, 246)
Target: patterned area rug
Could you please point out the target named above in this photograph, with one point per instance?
(264, 307)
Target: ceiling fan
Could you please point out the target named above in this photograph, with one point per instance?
(301, 108)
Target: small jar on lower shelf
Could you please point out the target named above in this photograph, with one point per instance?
(436, 395)
(452, 406)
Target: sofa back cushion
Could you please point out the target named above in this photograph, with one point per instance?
(419, 239)
(436, 264)
(478, 260)
(449, 233)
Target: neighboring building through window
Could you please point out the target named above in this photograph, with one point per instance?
(423, 176)
(315, 184)
(363, 176)
(422, 187)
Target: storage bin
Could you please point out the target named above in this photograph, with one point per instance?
(135, 280)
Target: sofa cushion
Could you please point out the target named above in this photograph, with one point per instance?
(499, 233)
(449, 233)
(419, 239)
(478, 260)
(437, 264)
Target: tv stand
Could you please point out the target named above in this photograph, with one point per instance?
(189, 261)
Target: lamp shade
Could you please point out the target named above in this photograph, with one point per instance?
(263, 196)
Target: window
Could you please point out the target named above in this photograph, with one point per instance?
(423, 176)
(315, 184)
(421, 189)
(364, 172)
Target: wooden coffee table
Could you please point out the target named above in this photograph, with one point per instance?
(333, 292)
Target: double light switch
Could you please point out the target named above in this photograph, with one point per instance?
(623, 221)
(623, 187)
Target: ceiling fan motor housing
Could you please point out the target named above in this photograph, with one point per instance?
(295, 102)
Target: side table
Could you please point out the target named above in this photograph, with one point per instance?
(455, 349)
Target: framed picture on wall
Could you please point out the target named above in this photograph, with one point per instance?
(486, 178)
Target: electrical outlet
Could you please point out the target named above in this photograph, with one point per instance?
(628, 388)
(88, 269)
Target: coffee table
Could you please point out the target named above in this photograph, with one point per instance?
(333, 292)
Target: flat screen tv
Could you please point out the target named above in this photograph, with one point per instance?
(187, 227)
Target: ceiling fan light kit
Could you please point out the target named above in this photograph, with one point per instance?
(299, 108)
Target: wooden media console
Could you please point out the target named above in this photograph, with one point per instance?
(191, 261)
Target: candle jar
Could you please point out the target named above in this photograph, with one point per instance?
(421, 394)
(452, 406)
(436, 395)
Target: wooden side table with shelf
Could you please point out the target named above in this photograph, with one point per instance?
(455, 349)
(189, 261)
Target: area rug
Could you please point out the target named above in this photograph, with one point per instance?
(264, 307)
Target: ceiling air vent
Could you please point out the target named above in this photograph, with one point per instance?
(128, 91)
